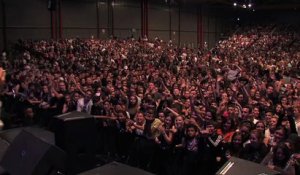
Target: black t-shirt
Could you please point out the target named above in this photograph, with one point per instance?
(254, 154)
(147, 130)
(60, 102)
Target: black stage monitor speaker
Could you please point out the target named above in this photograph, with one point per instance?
(236, 166)
(116, 168)
(75, 132)
(30, 155)
(10, 134)
(3, 147)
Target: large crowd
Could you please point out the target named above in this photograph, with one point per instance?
(163, 108)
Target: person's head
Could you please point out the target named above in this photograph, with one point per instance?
(245, 130)
(208, 116)
(252, 92)
(161, 116)
(176, 92)
(45, 89)
(281, 155)
(168, 121)
(273, 122)
(236, 111)
(28, 112)
(140, 95)
(230, 110)
(140, 89)
(214, 105)
(193, 93)
(284, 100)
(106, 105)
(62, 86)
(293, 142)
(256, 112)
(246, 112)
(270, 90)
(211, 127)
(227, 125)
(240, 98)
(121, 116)
(268, 116)
(71, 89)
(279, 109)
(186, 94)
(179, 122)
(89, 81)
(191, 131)
(256, 138)
(260, 126)
(76, 96)
(149, 114)
(99, 90)
(85, 88)
(88, 94)
(133, 100)
(151, 86)
(140, 119)
(125, 89)
(118, 108)
(237, 140)
(224, 97)
(280, 134)
(229, 92)
(257, 95)
(67, 98)
(82, 81)
(202, 110)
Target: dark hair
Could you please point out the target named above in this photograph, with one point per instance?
(259, 135)
(224, 120)
(286, 134)
(191, 126)
(248, 107)
(210, 122)
(235, 134)
(260, 121)
(286, 152)
(246, 123)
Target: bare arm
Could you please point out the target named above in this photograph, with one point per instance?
(172, 111)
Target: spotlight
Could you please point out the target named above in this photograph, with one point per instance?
(244, 6)
(235, 4)
(249, 5)
(238, 19)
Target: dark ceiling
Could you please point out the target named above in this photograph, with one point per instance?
(258, 4)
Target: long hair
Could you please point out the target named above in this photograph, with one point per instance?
(287, 153)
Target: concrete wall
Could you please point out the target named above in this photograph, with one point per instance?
(26, 19)
(30, 19)
(158, 16)
(79, 19)
(127, 19)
